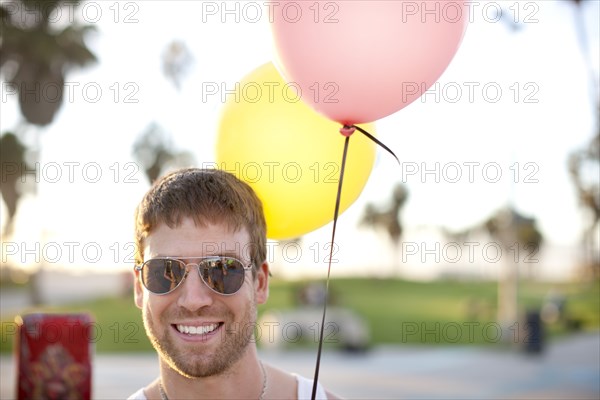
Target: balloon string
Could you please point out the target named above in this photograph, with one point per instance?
(347, 132)
(373, 138)
(335, 217)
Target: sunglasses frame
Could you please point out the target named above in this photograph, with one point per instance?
(187, 265)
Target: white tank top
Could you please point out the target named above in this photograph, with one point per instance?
(305, 387)
(304, 390)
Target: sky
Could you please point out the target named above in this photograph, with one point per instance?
(505, 115)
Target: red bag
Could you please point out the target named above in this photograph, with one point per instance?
(54, 356)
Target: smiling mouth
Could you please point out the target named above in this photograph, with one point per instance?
(197, 330)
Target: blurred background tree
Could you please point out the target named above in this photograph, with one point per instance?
(155, 153)
(154, 149)
(521, 240)
(14, 167)
(35, 58)
(584, 164)
(516, 233)
(389, 219)
(177, 61)
(584, 167)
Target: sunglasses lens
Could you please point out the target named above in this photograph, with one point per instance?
(224, 275)
(162, 275)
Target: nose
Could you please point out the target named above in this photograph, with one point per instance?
(193, 293)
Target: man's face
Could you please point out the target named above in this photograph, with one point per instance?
(196, 331)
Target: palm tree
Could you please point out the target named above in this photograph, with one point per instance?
(588, 190)
(13, 168)
(35, 58)
(154, 151)
(519, 237)
(40, 56)
(389, 219)
(176, 61)
(588, 159)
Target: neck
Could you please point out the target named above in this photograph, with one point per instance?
(243, 377)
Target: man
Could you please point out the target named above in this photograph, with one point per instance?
(201, 270)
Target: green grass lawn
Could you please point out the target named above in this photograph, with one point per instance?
(448, 312)
(441, 312)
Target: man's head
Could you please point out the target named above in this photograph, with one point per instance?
(207, 196)
(188, 218)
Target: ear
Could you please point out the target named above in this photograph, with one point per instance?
(261, 284)
(138, 290)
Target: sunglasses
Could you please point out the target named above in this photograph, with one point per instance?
(223, 275)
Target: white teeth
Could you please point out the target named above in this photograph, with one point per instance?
(197, 330)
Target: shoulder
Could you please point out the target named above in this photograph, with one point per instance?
(284, 385)
(331, 396)
(139, 395)
(147, 392)
(305, 387)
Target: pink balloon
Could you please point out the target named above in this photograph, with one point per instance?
(357, 61)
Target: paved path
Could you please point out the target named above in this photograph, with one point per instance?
(568, 369)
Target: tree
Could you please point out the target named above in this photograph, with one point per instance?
(177, 60)
(520, 240)
(389, 219)
(35, 58)
(584, 165)
(13, 168)
(155, 152)
(517, 234)
(154, 149)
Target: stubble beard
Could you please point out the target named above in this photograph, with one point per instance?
(233, 343)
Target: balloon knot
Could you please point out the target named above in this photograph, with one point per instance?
(347, 130)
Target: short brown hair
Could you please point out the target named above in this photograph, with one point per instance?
(206, 196)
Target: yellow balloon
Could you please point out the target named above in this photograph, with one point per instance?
(289, 154)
